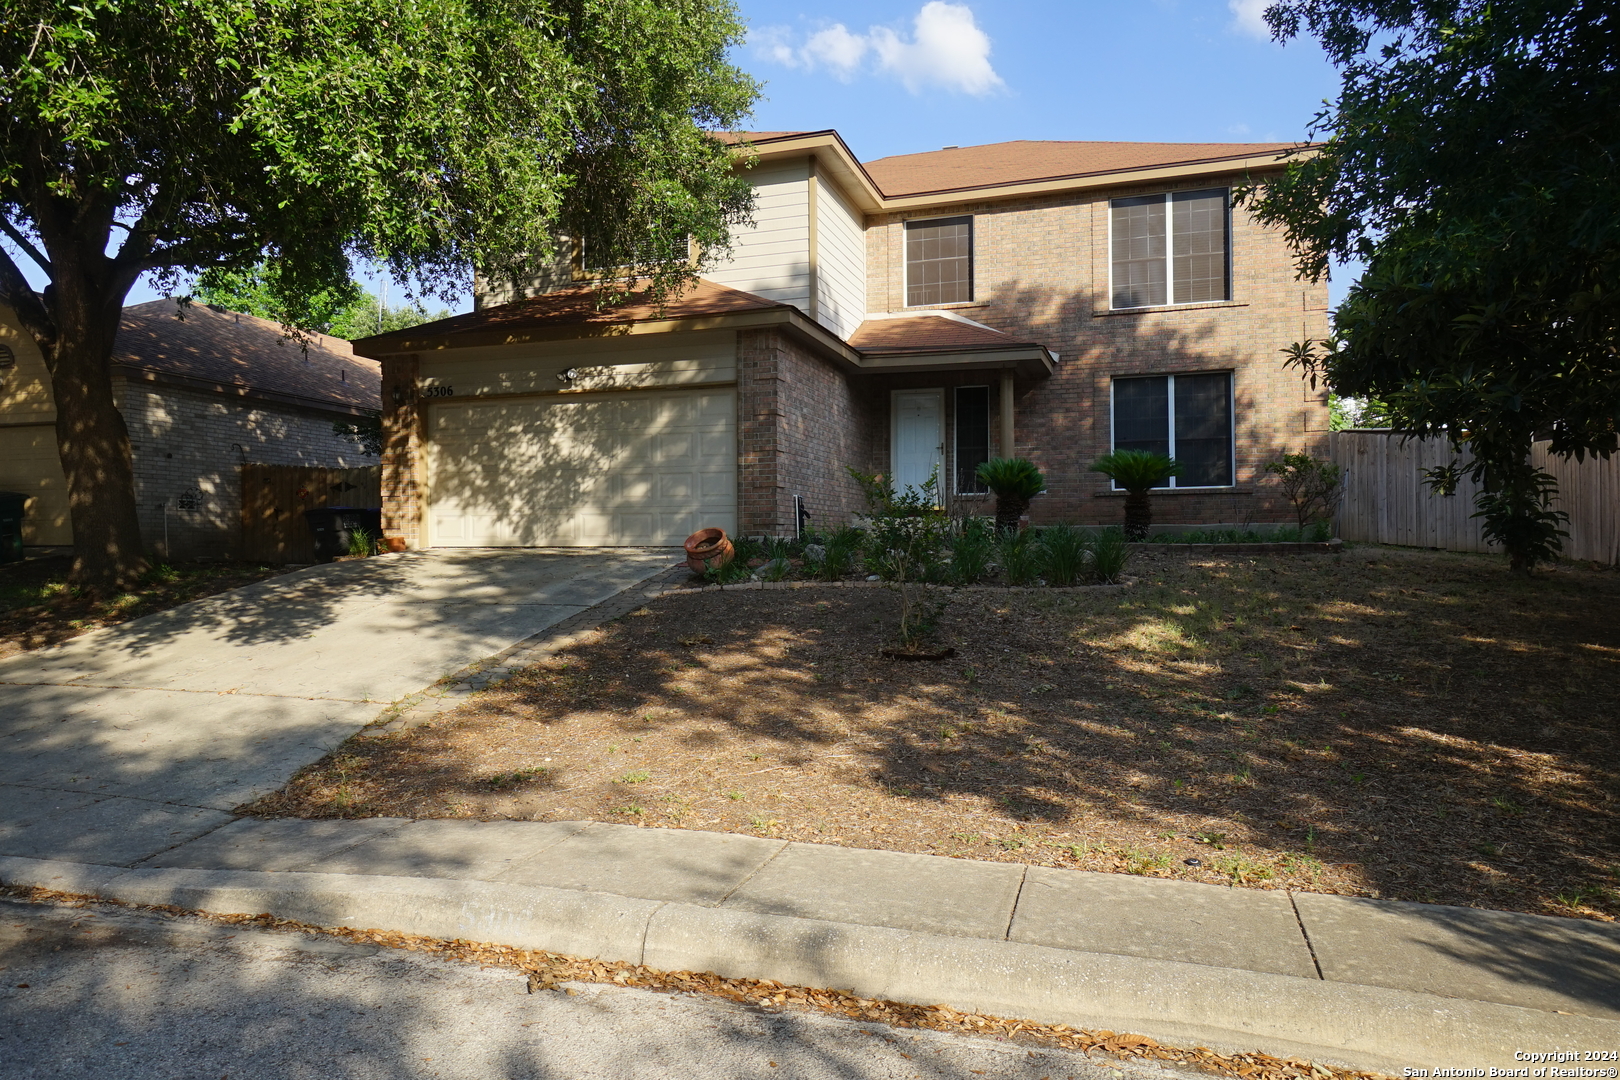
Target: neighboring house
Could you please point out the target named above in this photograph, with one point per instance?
(1050, 300)
(202, 392)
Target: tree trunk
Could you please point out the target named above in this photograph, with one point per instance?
(1138, 515)
(1008, 511)
(94, 442)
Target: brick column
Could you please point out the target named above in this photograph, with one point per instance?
(760, 419)
(402, 428)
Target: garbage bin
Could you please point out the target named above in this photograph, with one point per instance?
(333, 525)
(11, 519)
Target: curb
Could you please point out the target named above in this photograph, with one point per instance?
(1360, 1027)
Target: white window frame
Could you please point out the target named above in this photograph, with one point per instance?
(973, 262)
(1170, 251)
(1170, 416)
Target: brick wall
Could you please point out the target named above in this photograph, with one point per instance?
(402, 464)
(1041, 269)
(188, 449)
(800, 421)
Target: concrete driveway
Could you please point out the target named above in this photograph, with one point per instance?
(127, 741)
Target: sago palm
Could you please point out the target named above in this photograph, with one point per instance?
(1014, 481)
(1138, 472)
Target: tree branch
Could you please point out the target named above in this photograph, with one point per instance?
(17, 294)
(21, 241)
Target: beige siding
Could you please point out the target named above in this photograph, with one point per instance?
(840, 261)
(29, 464)
(28, 458)
(616, 364)
(771, 258)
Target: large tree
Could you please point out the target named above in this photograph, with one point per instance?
(1471, 161)
(166, 137)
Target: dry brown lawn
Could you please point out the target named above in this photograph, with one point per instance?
(1393, 723)
(38, 608)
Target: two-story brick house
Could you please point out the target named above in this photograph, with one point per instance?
(1051, 300)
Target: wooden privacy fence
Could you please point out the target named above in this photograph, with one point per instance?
(274, 498)
(1386, 500)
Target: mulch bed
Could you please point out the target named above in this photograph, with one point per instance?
(38, 609)
(1392, 723)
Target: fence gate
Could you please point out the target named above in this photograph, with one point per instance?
(274, 498)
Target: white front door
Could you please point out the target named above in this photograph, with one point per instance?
(917, 448)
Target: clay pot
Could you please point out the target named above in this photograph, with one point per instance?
(708, 548)
(394, 544)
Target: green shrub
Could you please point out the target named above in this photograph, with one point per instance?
(1065, 551)
(1020, 557)
(1109, 554)
(1138, 472)
(907, 530)
(361, 543)
(972, 551)
(842, 547)
(1014, 481)
(1314, 487)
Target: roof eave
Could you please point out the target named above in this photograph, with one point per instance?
(779, 315)
(1270, 162)
(1029, 360)
(832, 155)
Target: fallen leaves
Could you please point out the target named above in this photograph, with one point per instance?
(548, 971)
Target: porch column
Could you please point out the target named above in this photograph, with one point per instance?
(1007, 444)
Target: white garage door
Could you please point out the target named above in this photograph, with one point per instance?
(646, 468)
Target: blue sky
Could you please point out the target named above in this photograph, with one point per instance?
(901, 76)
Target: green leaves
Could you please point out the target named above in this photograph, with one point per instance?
(1469, 161)
(1136, 470)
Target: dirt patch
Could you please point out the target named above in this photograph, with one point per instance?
(1400, 724)
(38, 608)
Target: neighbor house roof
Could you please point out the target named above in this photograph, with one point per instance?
(205, 348)
(1025, 161)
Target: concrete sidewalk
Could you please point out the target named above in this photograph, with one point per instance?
(124, 752)
(1363, 983)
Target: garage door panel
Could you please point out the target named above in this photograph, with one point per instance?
(677, 449)
(615, 470)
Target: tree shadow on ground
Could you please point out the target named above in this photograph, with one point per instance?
(1400, 724)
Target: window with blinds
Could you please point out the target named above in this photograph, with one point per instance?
(1170, 249)
(1186, 417)
(939, 261)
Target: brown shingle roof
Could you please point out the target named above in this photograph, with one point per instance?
(1026, 161)
(211, 348)
(927, 333)
(577, 306)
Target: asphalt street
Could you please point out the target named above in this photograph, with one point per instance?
(105, 993)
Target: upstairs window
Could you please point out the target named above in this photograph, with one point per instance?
(1171, 249)
(1187, 417)
(939, 261)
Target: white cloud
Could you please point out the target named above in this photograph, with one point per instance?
(946, 48)
(838, 49)
(1249, 16)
